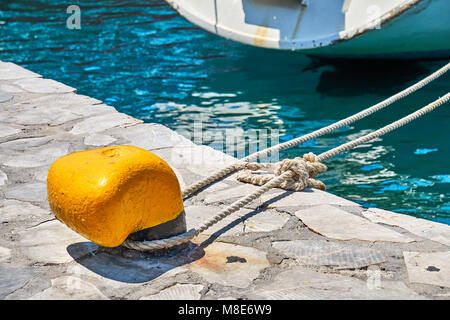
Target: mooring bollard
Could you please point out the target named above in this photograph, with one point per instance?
(110, 194)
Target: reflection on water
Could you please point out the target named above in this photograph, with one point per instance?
(147, 61)
(360, 77)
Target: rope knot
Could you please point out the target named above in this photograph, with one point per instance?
(304, 171)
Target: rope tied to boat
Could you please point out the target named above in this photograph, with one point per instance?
(304, 171)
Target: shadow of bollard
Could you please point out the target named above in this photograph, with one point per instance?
(130, 266)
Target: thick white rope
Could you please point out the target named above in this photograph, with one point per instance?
(380, 132)
(279, 179)
(298, 181)
(241, 164)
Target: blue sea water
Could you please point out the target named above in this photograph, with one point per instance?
(147, 61)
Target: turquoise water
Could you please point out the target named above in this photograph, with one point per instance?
(147, 61)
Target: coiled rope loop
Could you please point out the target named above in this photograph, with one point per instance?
(304, 171)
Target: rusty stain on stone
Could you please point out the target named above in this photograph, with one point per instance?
(230, 264)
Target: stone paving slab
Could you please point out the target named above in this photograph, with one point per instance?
(303, 284)
(15, 211)
(40, 157)
(335, 223)
(265, 220)
(72, 101)
(39, 85)
(5, 97)
(230, 225)
(230, 264)
(103, 122)
(3, 178)
(178, 292)
(308, 197)
(70, 288)
(152, 136)
(5, 254)
(6, 88)
(11, 71)
(284, 245)
(48, 243)
(24, 144)
(33, 114)
(14, 278)
(426, 229)
(98, 140)
(324, 253)
(230, 194)
(8, 131)
(31, 192)
(428, 267)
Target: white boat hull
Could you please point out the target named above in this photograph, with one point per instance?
(329, 28)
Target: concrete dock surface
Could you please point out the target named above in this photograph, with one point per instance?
(285, 245)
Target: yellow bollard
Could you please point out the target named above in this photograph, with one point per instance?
(106, 194)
